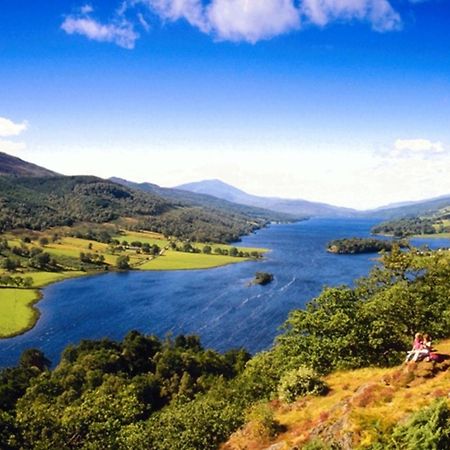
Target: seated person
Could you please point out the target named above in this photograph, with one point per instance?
(417, 347)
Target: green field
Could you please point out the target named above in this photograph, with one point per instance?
(41, 279)
(172, 260)
(16, 311)
(144, 237)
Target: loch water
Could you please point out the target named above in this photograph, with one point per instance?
(217, 304)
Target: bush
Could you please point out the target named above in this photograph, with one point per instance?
(428, 429)
(263, 422)
(122, 262)
(301, 381)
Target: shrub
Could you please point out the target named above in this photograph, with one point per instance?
(262, 421)
(298, 382)
(428, 429)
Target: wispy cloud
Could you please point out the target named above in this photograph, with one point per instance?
(10, 128)
(120, 31)
(231, 20)
(379, 13)
(172, 10)
(424, 148)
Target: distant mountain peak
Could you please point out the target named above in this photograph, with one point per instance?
(13, 166)
(297, 207)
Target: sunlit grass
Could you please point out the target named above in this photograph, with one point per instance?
(172, 260)
(16, 312)
(368, 402)
(41, 279)
(144, 237)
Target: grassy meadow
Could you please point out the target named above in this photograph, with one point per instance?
(172, 260)
(73, 256)
(16, 310)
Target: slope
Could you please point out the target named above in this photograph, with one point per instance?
(12, 166)
(208, 201)
(363, 409)
(43, 202)
(298, 207)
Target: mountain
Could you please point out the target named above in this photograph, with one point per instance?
(12, 166)
(208, 201)
(33, 197)
(410, 209)
(298, 207)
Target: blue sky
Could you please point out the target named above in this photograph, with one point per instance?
(341, 101)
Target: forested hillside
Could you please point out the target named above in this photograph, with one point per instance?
(42, 202)
(35, 198)
(144, 393)
(433, 222)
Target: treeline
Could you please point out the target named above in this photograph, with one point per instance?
(144, 393)
(362, 245)
(21, 256)
(406, 227)
(40, 203)
(200, 225)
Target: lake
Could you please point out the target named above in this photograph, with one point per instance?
(217, 304)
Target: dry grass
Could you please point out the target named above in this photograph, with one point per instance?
(361, 405)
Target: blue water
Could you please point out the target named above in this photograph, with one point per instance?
(217, 304)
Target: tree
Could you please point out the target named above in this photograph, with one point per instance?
(41, 260)
(43, 241)
(10, 264)
(122, 262)
(34, 357)
(207, 249)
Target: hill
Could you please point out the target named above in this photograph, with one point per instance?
(370, 408)
(12, 166)
(413, 209)
(298, 207)
(432, 222)
(208, 201)
(35, 198)
(39, 203)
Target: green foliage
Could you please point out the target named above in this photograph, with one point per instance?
(406, 227)
(40, 203)
(263, 278)
(8, 438)
(201, 424)
(427, 429)
(122, 262)
(362, 245)
(373, 323)
(299, 382)
(262, 419)
(104, 392)
(34, 358)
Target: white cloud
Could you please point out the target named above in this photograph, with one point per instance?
(120, 32)
(231, 20)
(416, 147)
(9, 128)
(86, 9)
(173, 10)
(252, 21)
(379, 13)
